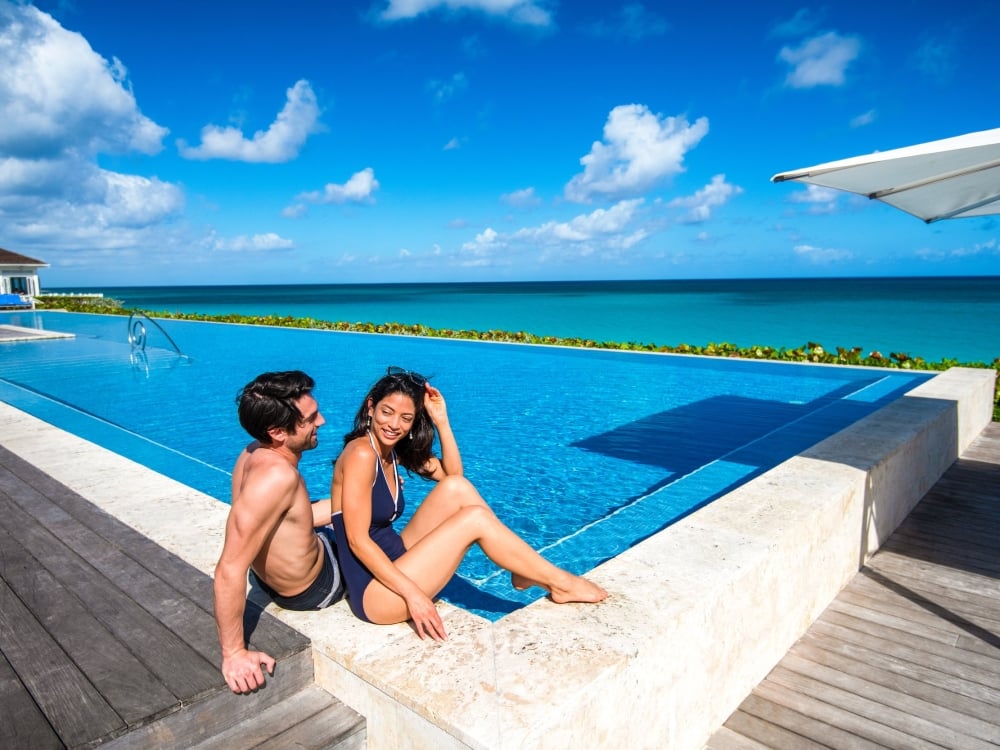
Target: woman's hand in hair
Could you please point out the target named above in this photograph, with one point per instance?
(434, 403)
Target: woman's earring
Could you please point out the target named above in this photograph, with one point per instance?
(369, 425)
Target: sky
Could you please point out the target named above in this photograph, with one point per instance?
(390, 141)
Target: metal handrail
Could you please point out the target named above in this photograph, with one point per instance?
(137, 332)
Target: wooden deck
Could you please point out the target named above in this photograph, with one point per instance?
(107, 639)
(908, 655)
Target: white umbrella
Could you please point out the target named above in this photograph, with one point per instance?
(947, 179)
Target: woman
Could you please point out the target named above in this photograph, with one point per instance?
(393, 577)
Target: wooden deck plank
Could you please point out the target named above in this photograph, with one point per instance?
(908, 654)
(965, 615)
(768, 731)
(944, 552)
(883, 618)
(74, 707)
(174, 621)
(159, 656)
(128, 686)
(276, 638)
(892, 664)
(829, 725)
(315, 732)
(24, 723)
(273, 721)
(893, 563)
(896, 680)
(872, 706)
(308, 720)
(962, 602)
(727, 739)
(942, 662)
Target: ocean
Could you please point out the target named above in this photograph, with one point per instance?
(954, 318)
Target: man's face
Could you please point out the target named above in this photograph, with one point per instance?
(304, 437)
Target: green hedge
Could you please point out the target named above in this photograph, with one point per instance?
(810, 352)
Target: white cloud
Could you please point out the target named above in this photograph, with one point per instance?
(820, 61)
(453, 144)
(360, 188)
(281, 142)
(803, 22)
(525, 198)
(936, 57)
(295, 211)
(716, 193)
(134, 201)
(442, 91)
(608, 229)
(62, 105)
(865, 118)
(57, 95)
(990, 247)
(822, 255)
(633, 22)
(639, 150)
(819, 199)
(526, 12)
(251, 243)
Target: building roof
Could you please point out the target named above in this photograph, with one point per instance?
(10, 258)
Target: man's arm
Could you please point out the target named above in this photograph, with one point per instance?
(256, 511)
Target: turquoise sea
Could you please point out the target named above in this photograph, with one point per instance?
(934, 318)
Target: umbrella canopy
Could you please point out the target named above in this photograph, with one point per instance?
(947, 179)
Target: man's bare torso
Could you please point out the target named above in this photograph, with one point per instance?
(265, 484)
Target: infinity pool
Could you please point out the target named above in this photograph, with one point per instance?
(583, 452)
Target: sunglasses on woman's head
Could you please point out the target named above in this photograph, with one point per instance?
(414, 377)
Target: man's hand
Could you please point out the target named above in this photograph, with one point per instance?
(242, 670)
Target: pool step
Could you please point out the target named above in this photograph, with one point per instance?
(309, 719)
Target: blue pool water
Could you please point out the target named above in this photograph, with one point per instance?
(584, 453)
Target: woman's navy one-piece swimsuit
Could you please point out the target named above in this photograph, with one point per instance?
(385, 510)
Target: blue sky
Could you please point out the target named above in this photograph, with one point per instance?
(477, 140)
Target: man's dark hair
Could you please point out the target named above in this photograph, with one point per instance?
(269, 401)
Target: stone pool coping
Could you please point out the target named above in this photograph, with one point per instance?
(699, 613)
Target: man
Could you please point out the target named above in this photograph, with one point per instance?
(270, 530)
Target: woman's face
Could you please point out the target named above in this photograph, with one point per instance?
(392, 418)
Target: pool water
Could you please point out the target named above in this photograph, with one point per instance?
(584, 453)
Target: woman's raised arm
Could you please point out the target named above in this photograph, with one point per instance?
(450, 463)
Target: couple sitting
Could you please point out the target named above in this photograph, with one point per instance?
(287, 542)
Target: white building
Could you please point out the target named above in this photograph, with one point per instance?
(18, 278)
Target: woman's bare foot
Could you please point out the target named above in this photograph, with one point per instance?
(577, 589)
(571, 589)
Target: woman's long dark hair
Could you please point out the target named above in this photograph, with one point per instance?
(413, 451)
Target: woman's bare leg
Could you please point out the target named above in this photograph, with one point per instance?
(432, 561)
(449, 496)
